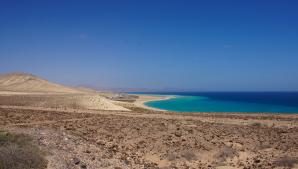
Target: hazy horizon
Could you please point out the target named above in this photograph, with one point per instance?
(156, 45)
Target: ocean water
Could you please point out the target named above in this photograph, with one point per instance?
(249, 102)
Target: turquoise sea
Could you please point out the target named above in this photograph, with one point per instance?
(250, 102)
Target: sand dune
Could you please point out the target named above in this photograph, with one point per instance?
(19, 89)
(22, 82)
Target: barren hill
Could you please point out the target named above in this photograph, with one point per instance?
(22, 82)
(21, 89)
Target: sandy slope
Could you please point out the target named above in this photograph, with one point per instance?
(22, 82)
(18, 89)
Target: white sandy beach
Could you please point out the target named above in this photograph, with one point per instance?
(143, 98)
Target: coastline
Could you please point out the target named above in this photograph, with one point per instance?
(143, 98)
(81, 130)
(199, 103)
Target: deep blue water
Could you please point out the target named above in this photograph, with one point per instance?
(253, 102)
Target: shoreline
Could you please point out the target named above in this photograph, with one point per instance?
(97, 132)
(143, 98)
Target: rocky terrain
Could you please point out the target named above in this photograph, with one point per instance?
(148, 139)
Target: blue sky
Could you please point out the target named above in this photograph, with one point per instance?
(195, 45)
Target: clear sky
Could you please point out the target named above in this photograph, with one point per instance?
(195, 45)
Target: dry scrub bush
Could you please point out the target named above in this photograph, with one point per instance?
(17, 151)
(286, 161)
(189, 155)
(226, 152)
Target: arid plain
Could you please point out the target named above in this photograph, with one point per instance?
(83, 128)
